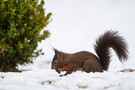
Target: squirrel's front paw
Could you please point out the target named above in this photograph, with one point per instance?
(58, 71)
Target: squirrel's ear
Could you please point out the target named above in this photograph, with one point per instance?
(56, 51)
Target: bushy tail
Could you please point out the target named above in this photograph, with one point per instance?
(110, 39)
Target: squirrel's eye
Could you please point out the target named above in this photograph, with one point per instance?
(55, 62)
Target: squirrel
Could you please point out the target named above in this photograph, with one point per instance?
(87, 61)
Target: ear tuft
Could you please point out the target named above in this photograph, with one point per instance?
(55, 50)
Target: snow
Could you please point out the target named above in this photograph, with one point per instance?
(47, 79)
(74, 27)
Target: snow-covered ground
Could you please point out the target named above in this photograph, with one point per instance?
(41, 78)
(74, 27)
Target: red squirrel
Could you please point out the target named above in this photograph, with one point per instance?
(87, 61)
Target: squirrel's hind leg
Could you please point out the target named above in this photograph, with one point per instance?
(92, 65)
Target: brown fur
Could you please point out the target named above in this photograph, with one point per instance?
(87, 61)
